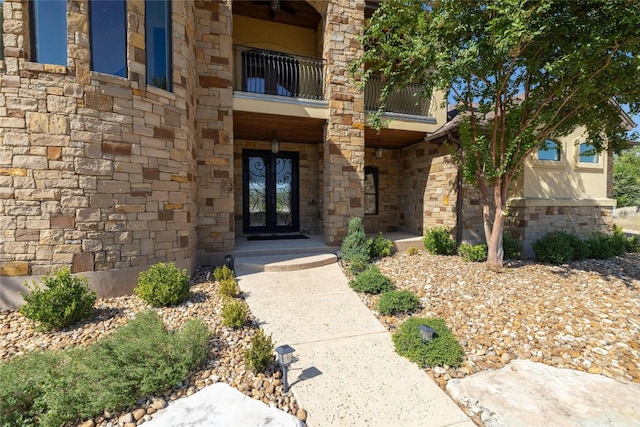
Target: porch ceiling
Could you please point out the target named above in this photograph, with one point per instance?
(391, 138)
(298, 13)
(261, 127)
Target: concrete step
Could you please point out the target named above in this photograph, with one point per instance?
(283, 262)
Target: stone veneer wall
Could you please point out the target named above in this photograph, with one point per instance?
(343, 179)
(96, 172)
(309, 182)
(389, 183)
(427, 188)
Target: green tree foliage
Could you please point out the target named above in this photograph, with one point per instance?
(626, 178)
(523, 71)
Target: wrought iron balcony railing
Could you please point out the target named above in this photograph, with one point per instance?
(277, 73)
(402, 101)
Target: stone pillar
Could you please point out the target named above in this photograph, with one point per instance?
(344, 133)
(214, 53)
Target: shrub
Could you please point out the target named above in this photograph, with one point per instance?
(438, 241)
(358, 265)
(355, 244)
(259, 356)
(371, 281)
(604, 246)
(139, 359)
(511, 247)
(228, 288)
(393, 302)
(632, 244)
(64, 300)
(443, 349)
(581, 248)
(223, 273)
(413, 250)
(555, 248)
(475, 253)
(380, 247)
(234, 313)
(163, 285)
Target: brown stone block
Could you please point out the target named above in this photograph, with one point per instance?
(173, 206)
(213, 81)
(168, 134)
(13, 172)
(139, 55)
(27, 235)
(15, 52)
(217, 161)
(343, 97)
(184, 241)
(215, 234)
(165, 215)
(178, 178)
(549, 210)
(358, 125)
(14, 268)
(54, 153)
(139, 192)
(62, 221)
(130, 208)
(98, 102)
(139, 92)
(209, 202)
(220, 174)
(211, 133)
(82, 262)
(150, 173)
(116, 148)
(219, 60)
(355, 202)
(57, 69)
(347, 119)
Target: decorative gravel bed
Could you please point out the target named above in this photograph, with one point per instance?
(583, 316)
(225, 362)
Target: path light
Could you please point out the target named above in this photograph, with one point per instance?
(426, 333)
(285, 356)
(228, 261)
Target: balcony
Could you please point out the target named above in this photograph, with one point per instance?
(268, 72)
(403, 101)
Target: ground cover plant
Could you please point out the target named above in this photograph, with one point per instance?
(442, 350)
(163, 284)
(57, 387)
(438, 241)
(62, 300)
(394, 302)
(474, 253)
(371, 281)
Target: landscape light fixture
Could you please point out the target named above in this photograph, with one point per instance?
(228, 261)
(426, 333)
(285, 357)
(275, 5)
(379, 153)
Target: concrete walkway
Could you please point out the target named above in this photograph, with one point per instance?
(346, 372)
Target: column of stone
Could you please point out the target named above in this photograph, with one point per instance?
(344, 133)
(214, 124)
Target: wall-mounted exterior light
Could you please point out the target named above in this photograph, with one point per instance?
(379, 153)
(275, 146)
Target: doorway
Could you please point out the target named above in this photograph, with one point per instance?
(270, 192)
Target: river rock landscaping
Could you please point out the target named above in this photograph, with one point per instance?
(225, 361)
(583, 316)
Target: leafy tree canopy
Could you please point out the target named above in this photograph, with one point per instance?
(523, 70)
(626, 178)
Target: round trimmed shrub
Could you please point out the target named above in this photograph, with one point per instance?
(223, 273)
(234, 313)
(555, 248)
(371, 281)
(259, 356)
(63, 300)
(443, 349)
(381, 246)
(475, 253)
(163, 284)
(228, 288)
(438, 241)
(511, 247)
(393, 302)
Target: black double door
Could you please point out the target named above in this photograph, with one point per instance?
(270, 192)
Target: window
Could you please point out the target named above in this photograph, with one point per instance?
(370, 190)
(588, 154)
(550, 151)
(49, 31)
(108, 36)
(158, 40)
(1, 31)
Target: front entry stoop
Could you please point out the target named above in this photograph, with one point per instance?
(284, 262)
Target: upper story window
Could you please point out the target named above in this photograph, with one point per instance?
(550, 151)
(108, 37)
(158, 43)
(49, 31)
(1, 31)
(587, 154)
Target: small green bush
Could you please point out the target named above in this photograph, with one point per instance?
(413, 250)
(581, 248)
(63, 300)
(234, 313)
(380, 247)
(393, 302)
(57, 388)
(223, 273)
(228, 288)
(555, 248)
(163, 284)
(511, 247)
(475, 253)
(438, 241)
(443, 349)
(604, 246)
(259, 356)
(371, 281)
(355, 244)
(632, 244)
(357, 265)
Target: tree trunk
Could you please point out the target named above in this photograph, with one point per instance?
(495, 252)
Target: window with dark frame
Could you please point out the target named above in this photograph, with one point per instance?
(108, 36)
(48, 19)
(1, 30)
(158, 43)
(370, 190)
